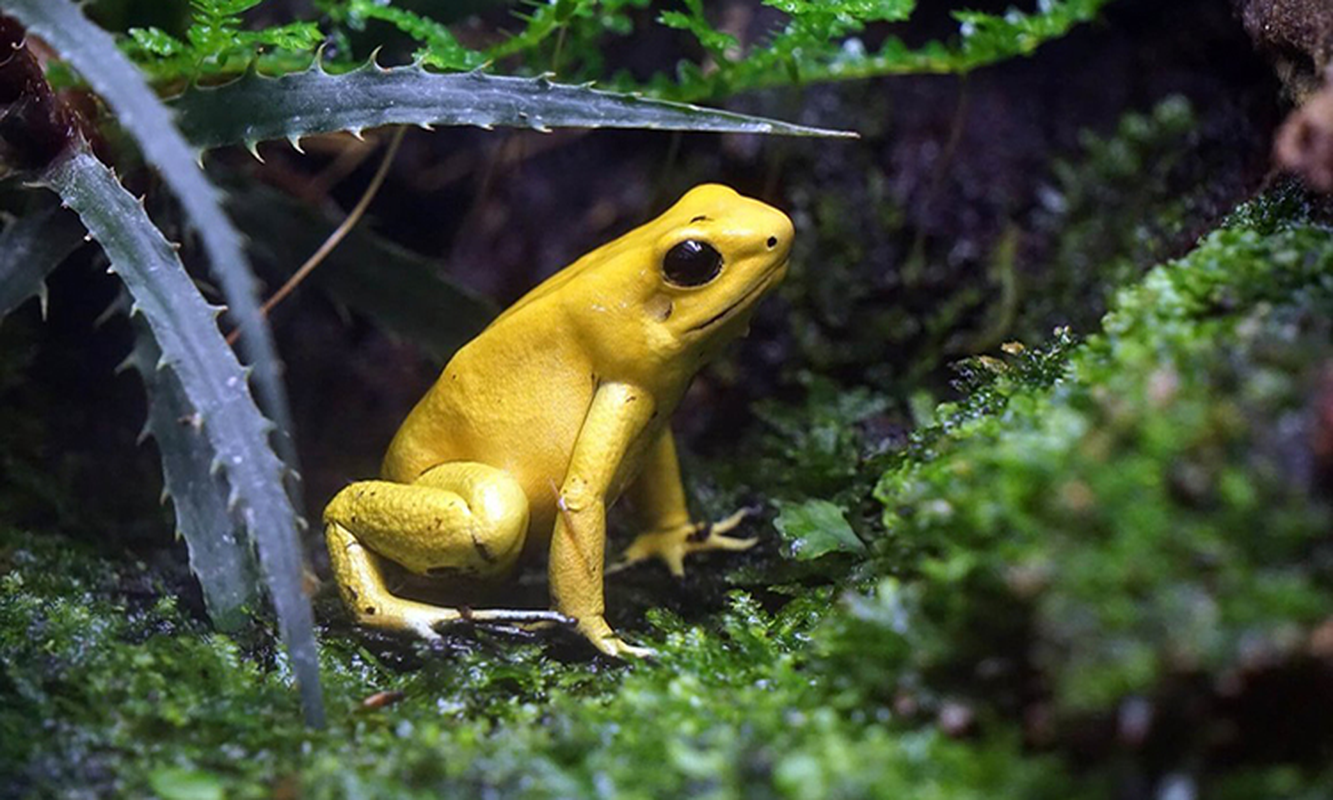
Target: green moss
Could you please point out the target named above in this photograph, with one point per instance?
(105, 694)
(1143, 509)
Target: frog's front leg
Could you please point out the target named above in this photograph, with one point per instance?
(617, 415)
(462, 518)
(658, 498)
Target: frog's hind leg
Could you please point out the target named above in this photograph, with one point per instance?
(462, 519)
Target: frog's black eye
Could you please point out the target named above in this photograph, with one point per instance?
(691, 263)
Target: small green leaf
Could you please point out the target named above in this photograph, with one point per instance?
(223, 8)
(296, 36)
(815, 528)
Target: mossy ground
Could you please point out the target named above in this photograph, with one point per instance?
(1104, 570)
(105, 697)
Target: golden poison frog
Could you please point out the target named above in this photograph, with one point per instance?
(557, 409)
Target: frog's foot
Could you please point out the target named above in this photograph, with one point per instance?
(603, 638)
(365, 592)
(673, 544)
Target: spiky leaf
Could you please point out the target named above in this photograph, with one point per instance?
(220, 554)
(215, 385)
(256, 108)
(30, 248)
(93, 52)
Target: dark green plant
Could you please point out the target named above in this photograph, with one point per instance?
(1114, 209)
(821, 42)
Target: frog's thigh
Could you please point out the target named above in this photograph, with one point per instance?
(461, 518)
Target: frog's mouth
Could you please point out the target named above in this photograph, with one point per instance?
(757, 287)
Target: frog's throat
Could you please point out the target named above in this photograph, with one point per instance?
(758, 286)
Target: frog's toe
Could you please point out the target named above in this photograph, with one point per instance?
(709, 536)
(618, 648)
(630, 651)
(600, 635)
(730, 522)
(425, 622)
(646, 546)
(732, 543)
(423, 629)
(675, 561)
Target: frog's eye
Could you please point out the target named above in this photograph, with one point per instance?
(691, 263)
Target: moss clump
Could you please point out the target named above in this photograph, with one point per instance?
(1145, 516)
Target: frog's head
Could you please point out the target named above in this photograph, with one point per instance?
(714, 253)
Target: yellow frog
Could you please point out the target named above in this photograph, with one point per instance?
(539, 424)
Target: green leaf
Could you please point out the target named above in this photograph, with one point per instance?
(255, 108)
(223, 8)
(158, 42)
(296, 36)
(694, 21)
(877, 10)
(820, 43)
(441, 48)
(815, 528)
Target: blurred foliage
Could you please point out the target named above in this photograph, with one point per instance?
(822, 41)
(439, 48)
(1094, 210)
(877, 298)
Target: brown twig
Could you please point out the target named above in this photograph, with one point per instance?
(337, 235)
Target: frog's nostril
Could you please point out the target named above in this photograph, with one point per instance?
(772, 242)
